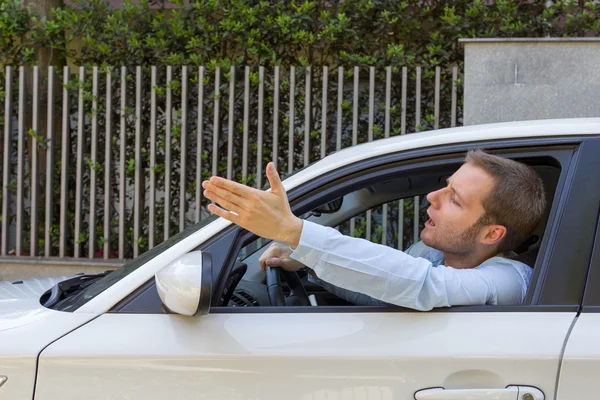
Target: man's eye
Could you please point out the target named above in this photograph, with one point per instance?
(454, 201)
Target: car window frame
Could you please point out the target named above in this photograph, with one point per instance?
(568, 148)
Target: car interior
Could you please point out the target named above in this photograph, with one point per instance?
(249, 286)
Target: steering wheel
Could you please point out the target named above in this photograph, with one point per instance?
(297, 296)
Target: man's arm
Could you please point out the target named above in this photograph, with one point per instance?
(386, 274)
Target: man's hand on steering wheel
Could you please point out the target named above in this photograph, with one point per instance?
(277, 263)
(278, 255)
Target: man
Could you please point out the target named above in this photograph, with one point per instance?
(489, 207)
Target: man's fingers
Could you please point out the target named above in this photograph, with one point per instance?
(222, 201)
(274, 179)
(272, 262)
(223, 213)
(233, 187)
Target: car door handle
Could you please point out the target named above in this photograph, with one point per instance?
(508, 393)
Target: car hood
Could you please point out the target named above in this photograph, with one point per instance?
(20, 301)
(26, 328)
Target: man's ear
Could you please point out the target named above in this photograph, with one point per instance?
(494, 234)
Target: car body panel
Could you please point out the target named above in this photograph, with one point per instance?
(581, 360)
(302, 356)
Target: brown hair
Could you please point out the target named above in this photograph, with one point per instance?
(517, 200)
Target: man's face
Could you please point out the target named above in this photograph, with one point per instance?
(455, 210)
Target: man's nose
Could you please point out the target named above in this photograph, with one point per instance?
(432, 197)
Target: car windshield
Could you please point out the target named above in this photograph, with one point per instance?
(80, 298)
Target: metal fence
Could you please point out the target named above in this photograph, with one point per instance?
(120, 170)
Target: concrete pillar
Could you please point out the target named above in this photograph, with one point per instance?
(530, 78)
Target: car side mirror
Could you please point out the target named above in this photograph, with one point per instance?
(184, 286)
(330, 207)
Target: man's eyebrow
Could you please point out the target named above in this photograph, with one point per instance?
(454, 190)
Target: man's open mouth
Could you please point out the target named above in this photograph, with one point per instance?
(430, 223)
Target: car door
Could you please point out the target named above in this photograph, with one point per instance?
(485, 352)
(581, 359)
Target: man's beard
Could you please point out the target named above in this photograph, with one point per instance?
(459, 243)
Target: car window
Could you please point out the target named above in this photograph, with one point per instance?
(389, 211)
(396, 223)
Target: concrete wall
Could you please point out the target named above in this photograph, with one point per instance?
(525, 79)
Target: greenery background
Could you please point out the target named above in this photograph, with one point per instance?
(222, 33)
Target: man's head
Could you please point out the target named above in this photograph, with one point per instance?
(490, 204)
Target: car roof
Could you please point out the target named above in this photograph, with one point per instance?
(441, 137)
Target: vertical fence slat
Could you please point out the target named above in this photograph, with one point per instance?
(307, 111)
(401, 225)
(49, 164)
(355, 127)
(453, 107)
(436, 112)
(402, 132)
(183, 147)
(416, 219)
(417, 128)
(246, 119)
(275, 153)
(261, 100)
(418, 101)
(355, 106)
(292, 117)
(152, 172)
(21, 160)
(231, 126)
(94, 152)
(108, 166)
(168, 123)
(122, 163)
(216, 121)
(370, 132)
(79, 163)
(7, 156)
(340, 101)
(436, 125)
(386, 132)
(137, 184)
(33, 176)
(388, 100)
(371, 103)
(64, 164)
(199, 141)
(403, 104)
(324, 113)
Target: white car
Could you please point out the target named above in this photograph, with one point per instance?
(193, 318)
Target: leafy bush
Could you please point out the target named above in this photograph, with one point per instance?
(221, 33)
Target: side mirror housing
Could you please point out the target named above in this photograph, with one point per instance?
(184, 286)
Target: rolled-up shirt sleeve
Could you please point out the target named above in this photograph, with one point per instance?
(387, 274)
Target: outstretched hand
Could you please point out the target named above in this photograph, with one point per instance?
(266, 214)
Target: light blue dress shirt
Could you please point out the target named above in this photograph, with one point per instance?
(366, 273)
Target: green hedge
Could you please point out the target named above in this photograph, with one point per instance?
(211, 33)
(250, 32)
